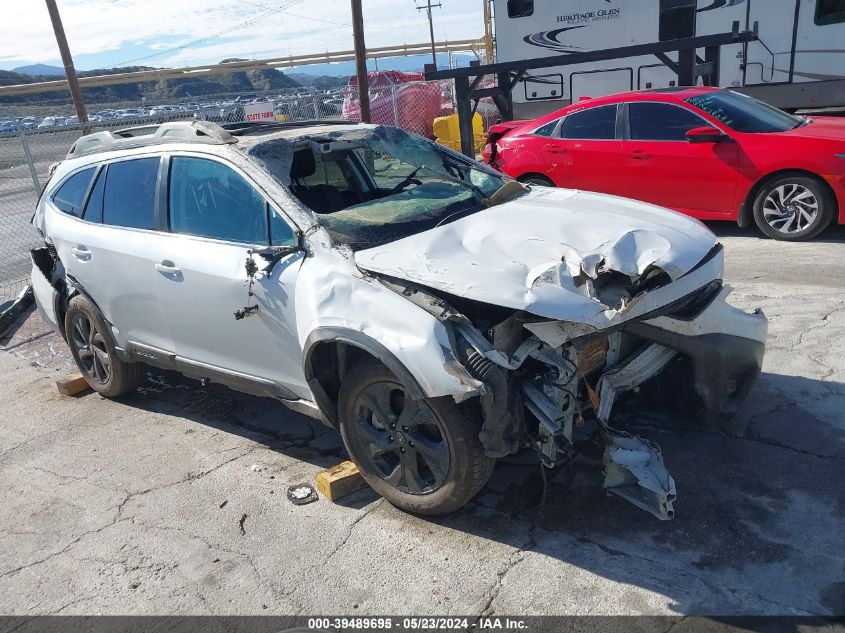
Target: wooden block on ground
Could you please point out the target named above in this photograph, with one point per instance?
(71, 385)
(339, 481)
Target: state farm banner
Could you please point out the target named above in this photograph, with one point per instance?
(259, 112)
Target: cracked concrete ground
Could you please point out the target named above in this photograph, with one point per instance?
(136, 506)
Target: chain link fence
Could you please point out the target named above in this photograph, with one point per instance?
(29, 145)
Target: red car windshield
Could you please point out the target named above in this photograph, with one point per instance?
(744, 114)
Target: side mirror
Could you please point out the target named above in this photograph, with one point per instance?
(705, 134)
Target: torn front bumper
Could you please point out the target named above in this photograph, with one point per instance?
(725, 346)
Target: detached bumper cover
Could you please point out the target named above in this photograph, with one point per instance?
(726, 346)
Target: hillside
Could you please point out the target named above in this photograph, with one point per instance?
(154, 92)
(320, 82)
(40, 69)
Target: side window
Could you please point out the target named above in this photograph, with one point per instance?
(71, 195)
(593, 124)
(520, 8)
(94, 207)
(548, 129)
(830, 12)
(661, 122)
(130, 191)
(677, 19)
(281, 233)
(208, 199)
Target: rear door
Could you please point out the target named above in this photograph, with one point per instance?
(586, 152)
(110, 246)
(662, 167)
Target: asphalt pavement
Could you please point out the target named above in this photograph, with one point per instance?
(172, 500)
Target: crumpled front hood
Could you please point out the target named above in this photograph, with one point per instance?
(526, 253)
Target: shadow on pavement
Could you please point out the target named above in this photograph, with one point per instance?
(759, 514)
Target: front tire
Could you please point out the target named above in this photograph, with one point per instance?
(93, 350)
(423, 456)
(793, 208)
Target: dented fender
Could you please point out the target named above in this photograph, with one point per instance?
(335, 301)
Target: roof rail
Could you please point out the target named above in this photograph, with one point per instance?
(253, 127)
(203, 132)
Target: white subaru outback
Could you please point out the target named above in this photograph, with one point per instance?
(440, 314)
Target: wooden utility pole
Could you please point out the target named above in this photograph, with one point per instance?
(67, 60)
(428, 7)
(361, 60)
(488, 32)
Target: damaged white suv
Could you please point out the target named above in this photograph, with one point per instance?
(438, 313)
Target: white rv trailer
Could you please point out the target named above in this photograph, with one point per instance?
(798, 61)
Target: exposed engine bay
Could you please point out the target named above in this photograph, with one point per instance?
(552, 384)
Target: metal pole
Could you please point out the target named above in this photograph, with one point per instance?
(361, 60)
(30, 164)
(462, 102)
(67, 60)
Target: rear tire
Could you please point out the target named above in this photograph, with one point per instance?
(536, 179)
(794, 207)
(423, 456)
(93, 349)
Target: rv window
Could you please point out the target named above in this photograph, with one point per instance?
(830, 12)
(595, 124)
(520, 8)
(677, 19)
(661, 122)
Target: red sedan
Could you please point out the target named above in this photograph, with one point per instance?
(712, 154)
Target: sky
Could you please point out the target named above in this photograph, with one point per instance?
(168, 33)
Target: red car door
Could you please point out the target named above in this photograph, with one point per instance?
(585, 152)
(663, 167)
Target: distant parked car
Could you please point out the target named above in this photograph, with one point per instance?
(50, 122)
(9, 126)
(712, 154)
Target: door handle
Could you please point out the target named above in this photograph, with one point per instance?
(639, 154)
(554, 149)
(81, 253)
(168, 268)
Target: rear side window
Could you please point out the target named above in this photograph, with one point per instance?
(547, 129)
(130, 191)
(94, 207)
(661, 122)
(830, 12)
(208, 199)
(593, 124)
(71, 195)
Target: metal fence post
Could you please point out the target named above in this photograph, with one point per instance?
(393, 89)
(30, 164)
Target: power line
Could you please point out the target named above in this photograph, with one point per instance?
(213, 36)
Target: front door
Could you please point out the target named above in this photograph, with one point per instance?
(216, 216)
(662, 167)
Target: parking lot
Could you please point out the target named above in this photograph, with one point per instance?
(173, 500)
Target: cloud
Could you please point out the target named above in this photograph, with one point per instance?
(121, 28)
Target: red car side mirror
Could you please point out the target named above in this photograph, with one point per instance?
(705, 134)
